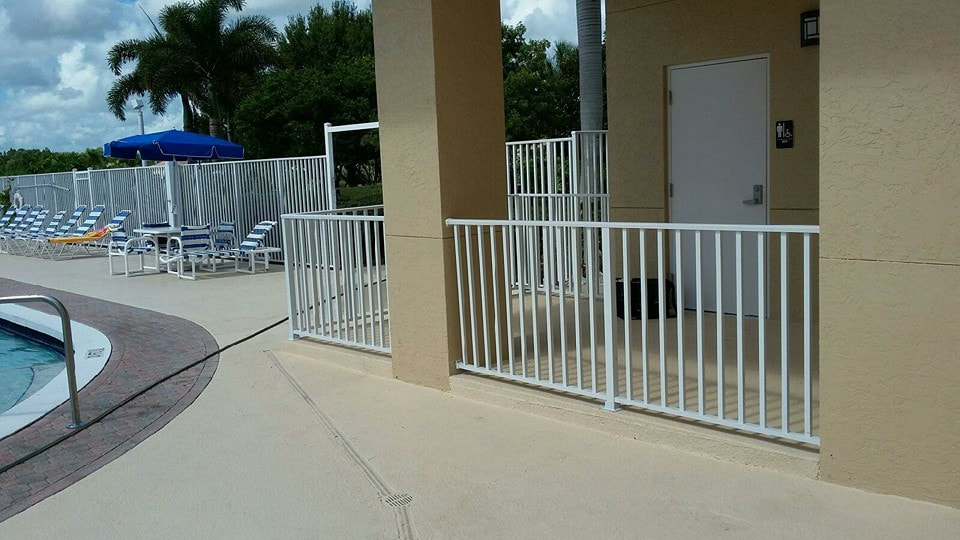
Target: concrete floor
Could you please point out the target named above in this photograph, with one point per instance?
(290, 447)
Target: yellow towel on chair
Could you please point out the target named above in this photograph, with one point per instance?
(89, 237)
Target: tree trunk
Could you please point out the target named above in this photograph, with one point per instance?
(215, 126)
(188, 118)
(590, 38)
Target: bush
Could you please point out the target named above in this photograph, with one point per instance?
(4, 198)
(350, 196)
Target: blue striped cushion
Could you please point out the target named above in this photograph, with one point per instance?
(255, 238)
(74, 218)
(195, 238)
(92, 218)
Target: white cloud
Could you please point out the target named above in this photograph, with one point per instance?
(54, 77)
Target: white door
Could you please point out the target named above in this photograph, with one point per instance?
(718, 172)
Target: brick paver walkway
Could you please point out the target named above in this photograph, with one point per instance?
(146, 346)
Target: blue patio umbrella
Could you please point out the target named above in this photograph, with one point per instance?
(172, 145)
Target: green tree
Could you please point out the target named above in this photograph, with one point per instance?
(197, 55)
(33, 161)
(325, 73)
(540, 91)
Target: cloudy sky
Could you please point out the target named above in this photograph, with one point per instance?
(54, 79)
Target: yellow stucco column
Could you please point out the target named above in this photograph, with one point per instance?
(440, 106)
(890, 247)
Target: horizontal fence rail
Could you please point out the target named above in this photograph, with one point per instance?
(336, 277)
(713, 323)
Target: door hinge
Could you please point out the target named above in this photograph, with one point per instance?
(670, 188)
(669, 97)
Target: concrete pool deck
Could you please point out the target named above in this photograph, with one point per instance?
(282, 446)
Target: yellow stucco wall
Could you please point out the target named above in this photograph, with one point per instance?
(440, 105)
(644, 37)
(890, 253)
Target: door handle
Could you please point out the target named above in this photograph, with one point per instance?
(757, 196)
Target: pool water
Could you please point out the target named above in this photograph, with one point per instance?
(25, 367)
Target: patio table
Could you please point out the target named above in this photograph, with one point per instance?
(158, 232)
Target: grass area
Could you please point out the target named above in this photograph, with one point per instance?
(349, 196)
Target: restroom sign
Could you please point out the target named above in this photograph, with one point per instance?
(784, 133)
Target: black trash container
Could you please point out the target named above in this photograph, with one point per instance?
(653, 306)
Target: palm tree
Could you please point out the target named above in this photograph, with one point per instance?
(196, 55)
(590, 42)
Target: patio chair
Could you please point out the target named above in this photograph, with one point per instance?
(92, 237)
(195, 244)
(225, 235)
(18, 216)
(123, 246)
(15, 241)
(40, 243)
(7, 217)
(94, 241)
(26, 241)
(20, 228)
(83, 230)
(251, 247)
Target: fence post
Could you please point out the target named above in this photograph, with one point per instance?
(76, 190)
(289, 262)
(609, 316)
(281, 199)
(331, 178)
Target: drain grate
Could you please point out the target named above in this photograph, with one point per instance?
(398, 499)
(95, 353)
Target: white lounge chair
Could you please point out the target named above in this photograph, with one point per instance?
(7, 217)
(19, 229)
(40, 243)
(26, 242)
(84, 230)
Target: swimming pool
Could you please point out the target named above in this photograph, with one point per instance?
(26, 365)
(33, 377)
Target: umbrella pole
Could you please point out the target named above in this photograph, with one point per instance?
(173, 199)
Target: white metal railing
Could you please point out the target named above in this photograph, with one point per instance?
(753, 367)
(336, 277)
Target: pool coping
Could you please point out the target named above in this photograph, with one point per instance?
(146, 345)
(92, 350)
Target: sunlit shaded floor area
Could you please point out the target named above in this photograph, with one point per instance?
(254, 456)
(564, 347)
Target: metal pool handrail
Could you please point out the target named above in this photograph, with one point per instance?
(67, 347)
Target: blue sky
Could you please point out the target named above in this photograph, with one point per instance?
(54, 79)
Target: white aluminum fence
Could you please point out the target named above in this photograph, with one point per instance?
(562, 179)
(336, 277)
(247, 192)
(142, 190)
(754, 367)
(52, 190)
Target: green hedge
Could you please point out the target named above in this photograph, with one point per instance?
(349, 196)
